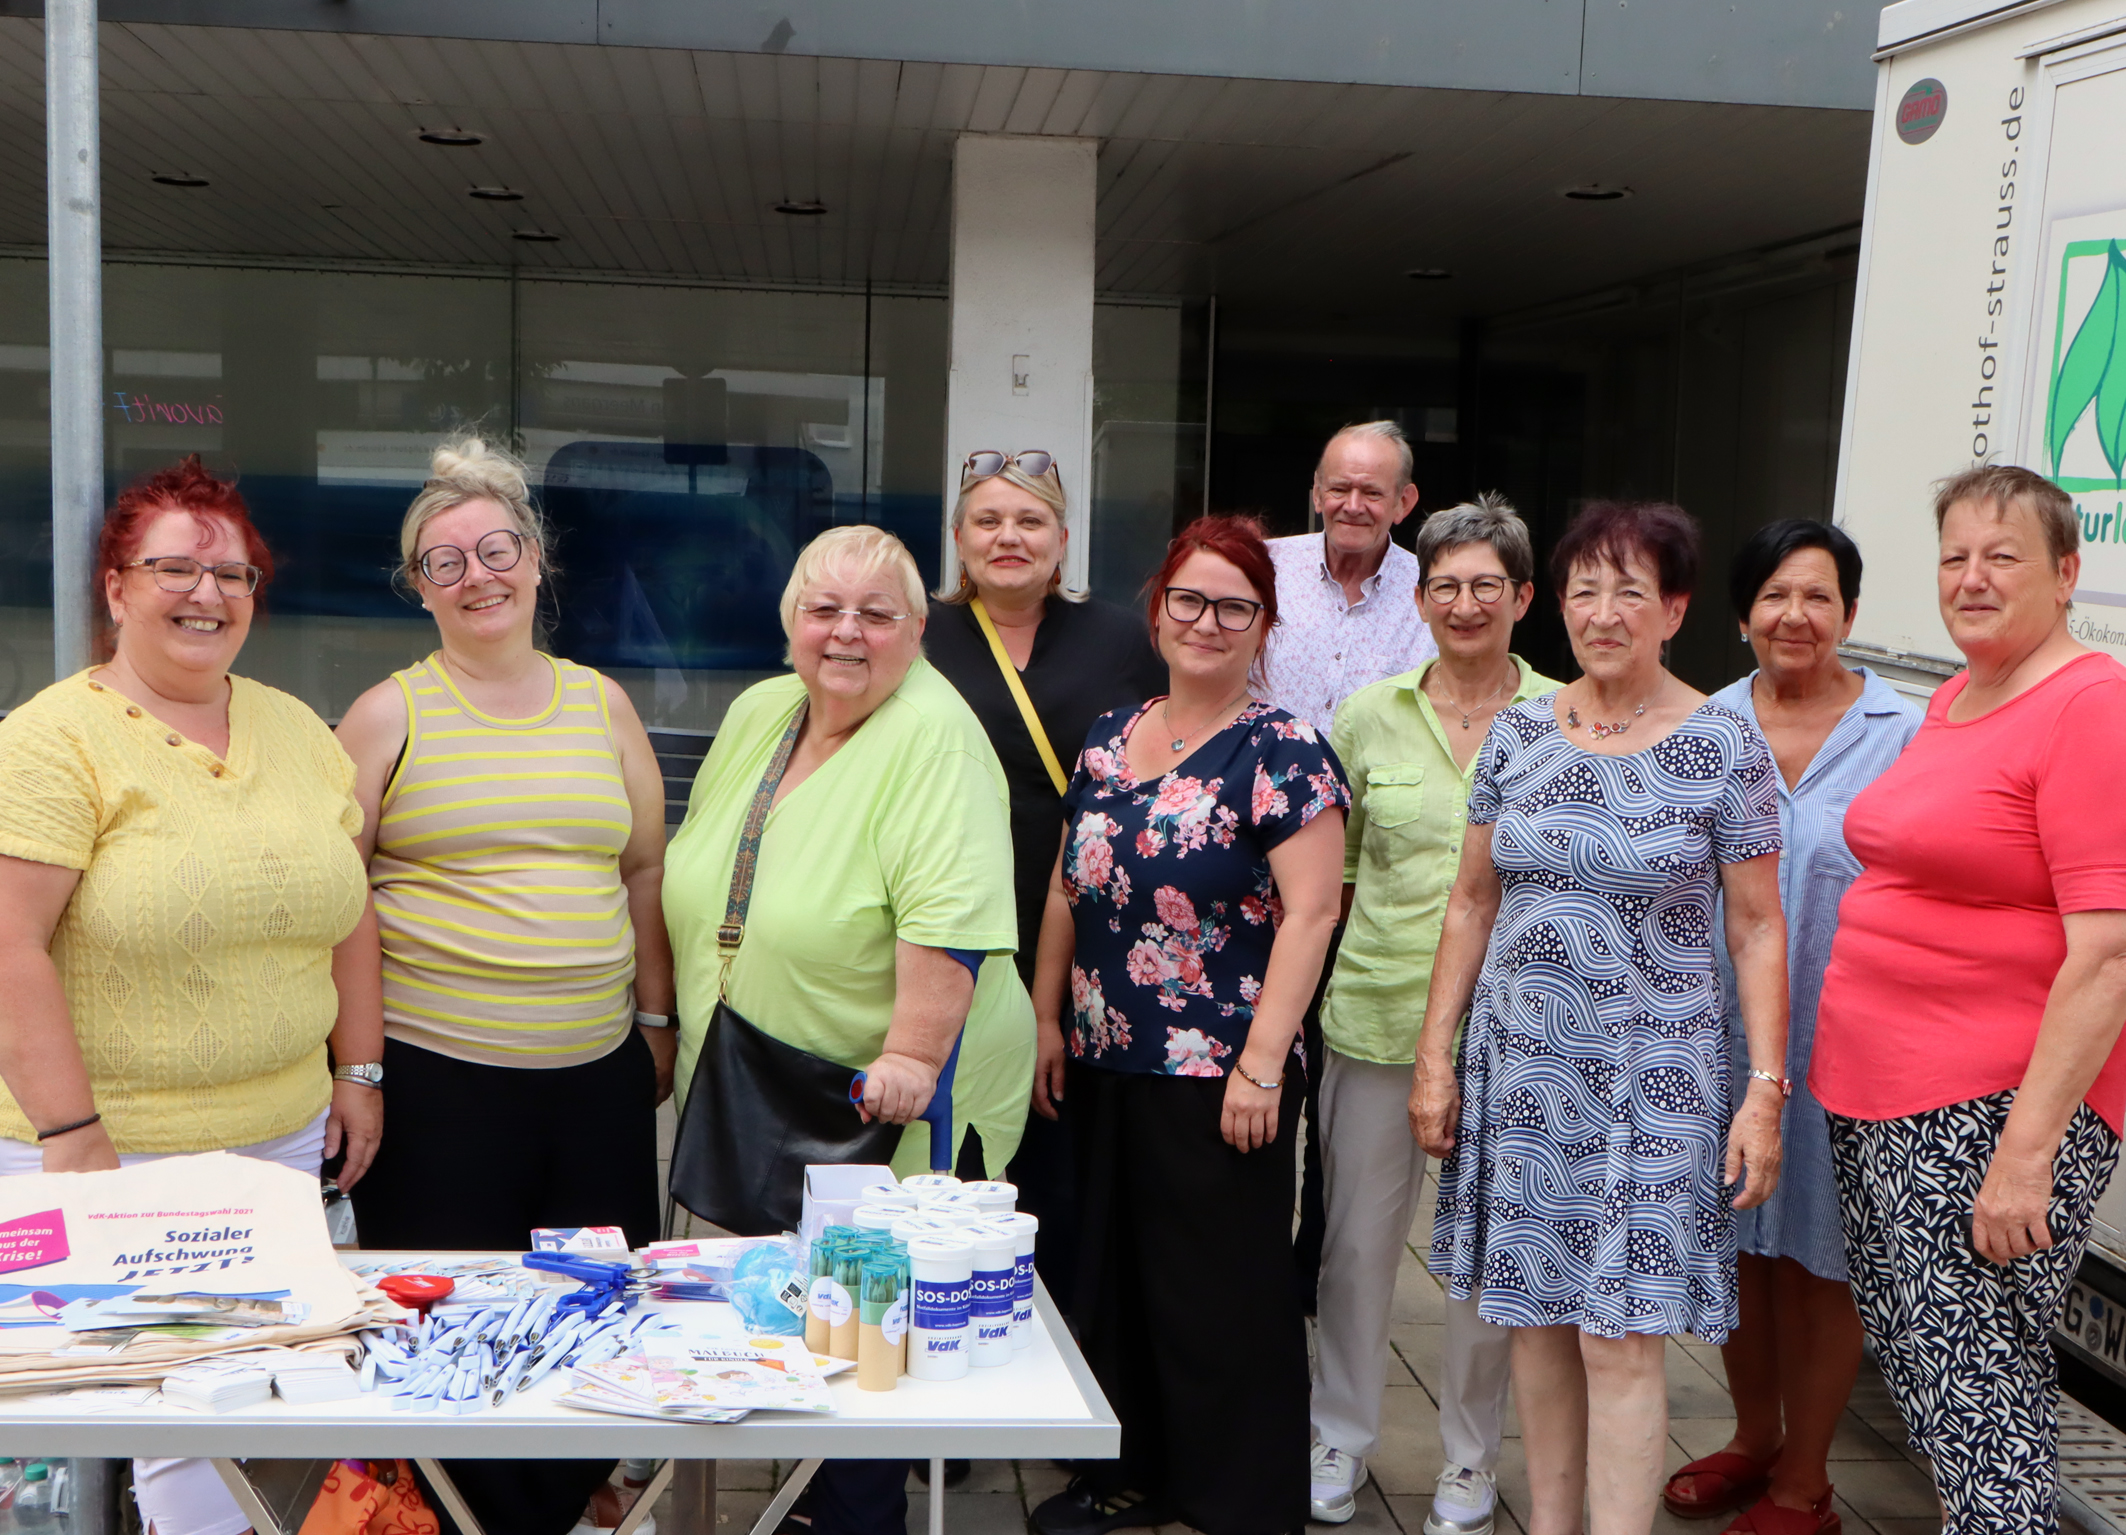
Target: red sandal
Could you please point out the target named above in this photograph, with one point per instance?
(1764, 1517)
(1745, 1481)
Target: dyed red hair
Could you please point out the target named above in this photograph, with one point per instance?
(1234, 539)
(185, 486)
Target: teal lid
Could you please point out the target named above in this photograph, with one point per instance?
(36, 1472)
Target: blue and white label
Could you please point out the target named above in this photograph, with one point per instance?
(942, 1345)
(894, 1325)
(993, 1289)
(942, 1305)
(1022, 1282)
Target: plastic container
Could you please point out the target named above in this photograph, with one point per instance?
(990, 1288)
(926, 1186)
(892, 1195)
(880, 1217)
(910, 1227)
(32, 1507)
(882, 1324)
(993, 1196)
(819, 1304)
(952, 1202)
(849, 1256)
(1025, 1230)
(941, 1272)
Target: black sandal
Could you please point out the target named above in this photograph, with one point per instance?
(1081, 1509)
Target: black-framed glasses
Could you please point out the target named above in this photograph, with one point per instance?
(1445, 591)
(987, 463)
(1184, 605)
(181, 573)
(445, 564)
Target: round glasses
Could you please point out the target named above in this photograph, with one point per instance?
(179, 573)
(1445, 591)
(988, 463)
(445, 564)
(1184, 605)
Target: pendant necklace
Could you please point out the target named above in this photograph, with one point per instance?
(1596, 729)
(1179, 742)
(1512, 676)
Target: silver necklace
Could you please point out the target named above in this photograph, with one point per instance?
(1596, 729)
(1179, 742)
(1469, 713)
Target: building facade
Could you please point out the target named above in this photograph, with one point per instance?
(728, 275)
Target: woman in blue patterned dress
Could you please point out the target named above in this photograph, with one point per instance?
(1832, 730)
(1586, 1202)
(1187, 920)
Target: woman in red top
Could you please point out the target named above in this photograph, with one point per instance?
(1967, 1041)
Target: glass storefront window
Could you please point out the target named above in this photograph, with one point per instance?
(1149, 367)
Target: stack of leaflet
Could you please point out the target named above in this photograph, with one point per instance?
(705, 1381)
(125, 1276)
(311, 1376)
(218, 1385)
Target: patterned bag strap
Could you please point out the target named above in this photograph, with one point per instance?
(1018, 696)
(732, 932)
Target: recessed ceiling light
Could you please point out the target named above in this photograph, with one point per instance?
(536, 236)
(451, 138)
(178, 179)
(1595, 193)
(495, 194)
(806, 210)
(1429, 273)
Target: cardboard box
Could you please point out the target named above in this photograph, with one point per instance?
(832, 1193)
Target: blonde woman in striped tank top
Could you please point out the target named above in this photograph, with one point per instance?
(514, 827)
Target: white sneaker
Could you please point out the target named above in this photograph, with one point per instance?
(1463, 1503)
(1332, 1485)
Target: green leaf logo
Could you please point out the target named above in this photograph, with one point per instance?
(2093, 373)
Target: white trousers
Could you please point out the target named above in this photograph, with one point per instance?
(186, 1497)
(1373, 1172)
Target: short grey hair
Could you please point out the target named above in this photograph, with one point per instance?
(855, 551)
(1489, 519)
(1384, 431)
(2001, 486)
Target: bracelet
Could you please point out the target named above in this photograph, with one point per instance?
(79, 1124)
(1268, 1087)
(1784, 1084)
(654, 1020)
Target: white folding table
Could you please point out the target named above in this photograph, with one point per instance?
(1044, 1403)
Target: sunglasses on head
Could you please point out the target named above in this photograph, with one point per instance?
(988, 463)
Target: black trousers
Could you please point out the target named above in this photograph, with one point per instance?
(1188, 1309)
(475, 1156)
(1313, 1207)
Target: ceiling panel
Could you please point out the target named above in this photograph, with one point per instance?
(668, 163)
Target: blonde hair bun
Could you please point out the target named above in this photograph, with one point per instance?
(466, 468)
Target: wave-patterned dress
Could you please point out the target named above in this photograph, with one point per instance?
(1584, 1187)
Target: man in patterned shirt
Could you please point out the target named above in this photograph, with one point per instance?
(1347, 616)
(1346, 595)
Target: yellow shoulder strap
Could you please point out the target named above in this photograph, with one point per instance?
(1018, 696)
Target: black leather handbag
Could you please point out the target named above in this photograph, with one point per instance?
(759, 1111)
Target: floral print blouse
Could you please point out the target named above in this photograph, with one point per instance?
(1170, 888)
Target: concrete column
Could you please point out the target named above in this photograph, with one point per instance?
(1022, 315)
(73, 211)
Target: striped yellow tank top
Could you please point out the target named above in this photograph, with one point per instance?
(497, 877)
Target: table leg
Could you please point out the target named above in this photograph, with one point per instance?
(693, 1498)
(647, 1499)
(247, 1498)
(779, 1505)
(937, 1495)
(452, 1499)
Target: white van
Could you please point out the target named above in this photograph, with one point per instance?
(1990, 323)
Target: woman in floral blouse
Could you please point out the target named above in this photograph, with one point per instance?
(1187, 920)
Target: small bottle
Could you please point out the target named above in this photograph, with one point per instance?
(819, 1308)
(849, 1259)
(33, 1500)
(10, 1480)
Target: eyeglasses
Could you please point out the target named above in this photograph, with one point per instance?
(988, 463)
(1445, 591)
(445, 564)
(872, 620)
(177, 573)
(1184, 605)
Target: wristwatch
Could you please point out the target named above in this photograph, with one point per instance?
(368, 1073)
